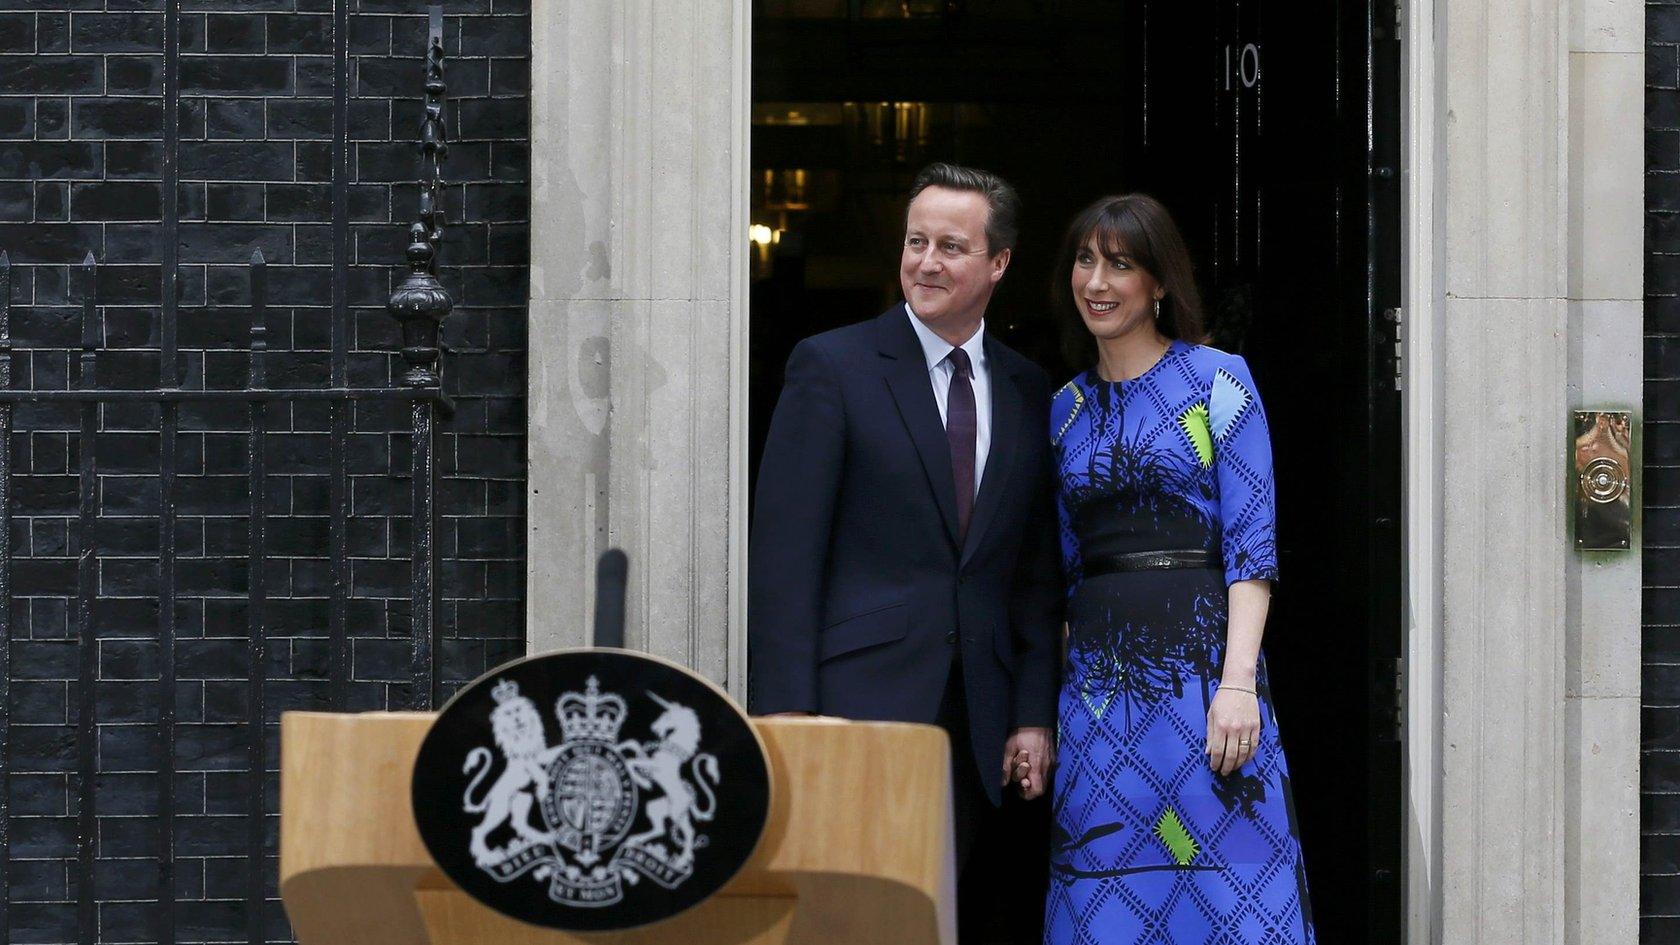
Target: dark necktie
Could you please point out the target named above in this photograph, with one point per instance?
(961, 429)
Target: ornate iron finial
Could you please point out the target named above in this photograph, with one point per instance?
(421, 303)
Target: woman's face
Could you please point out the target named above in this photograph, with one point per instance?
(1114, 295)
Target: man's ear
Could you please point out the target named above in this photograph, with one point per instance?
(1000, 262)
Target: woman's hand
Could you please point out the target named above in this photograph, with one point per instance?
(1233, 729)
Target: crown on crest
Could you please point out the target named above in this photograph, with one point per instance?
(504, 690)
(591, 715)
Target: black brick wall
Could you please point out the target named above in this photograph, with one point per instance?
(81, 165)
(1659, 901)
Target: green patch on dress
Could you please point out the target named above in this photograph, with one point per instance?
(1178, 841)
(1194, 423)
(1097, 702)
(1073, 414)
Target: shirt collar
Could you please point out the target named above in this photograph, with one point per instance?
(935, 348)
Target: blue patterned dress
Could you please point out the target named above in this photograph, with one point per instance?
(1150, 845)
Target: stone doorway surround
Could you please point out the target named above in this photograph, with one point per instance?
(1523, 233)
(637, 416)
(1524, 265)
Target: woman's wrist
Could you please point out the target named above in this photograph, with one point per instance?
(1238, 676)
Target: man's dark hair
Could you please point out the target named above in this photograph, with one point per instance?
(1002, 222)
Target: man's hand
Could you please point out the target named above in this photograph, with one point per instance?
(1027, 758)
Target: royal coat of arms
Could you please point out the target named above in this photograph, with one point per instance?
(565, 813)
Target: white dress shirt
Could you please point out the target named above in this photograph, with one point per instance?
(940, 372)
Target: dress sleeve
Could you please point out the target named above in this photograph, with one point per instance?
(1242, 451)
(1065, 412)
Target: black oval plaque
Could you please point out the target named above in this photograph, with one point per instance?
(591, 790)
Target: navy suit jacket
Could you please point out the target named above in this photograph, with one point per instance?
(858, 589)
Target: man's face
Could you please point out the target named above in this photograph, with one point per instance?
(947, 270)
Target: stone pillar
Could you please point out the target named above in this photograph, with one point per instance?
(1606, 320)
(638, 341)
(1504, 349)
(1524, 260)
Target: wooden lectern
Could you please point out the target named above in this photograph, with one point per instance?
(857, 848)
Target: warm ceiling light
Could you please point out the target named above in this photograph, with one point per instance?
(759, 234)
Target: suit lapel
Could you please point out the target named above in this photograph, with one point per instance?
(907, 377)
(1007, 409)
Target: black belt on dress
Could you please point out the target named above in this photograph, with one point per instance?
(1152, 561)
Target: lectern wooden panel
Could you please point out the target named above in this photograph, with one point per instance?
(858, 846)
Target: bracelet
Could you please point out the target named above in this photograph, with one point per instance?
(1251, 692)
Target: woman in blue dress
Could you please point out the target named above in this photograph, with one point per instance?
(1173, 818)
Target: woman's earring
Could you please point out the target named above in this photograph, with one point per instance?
(1157, 309)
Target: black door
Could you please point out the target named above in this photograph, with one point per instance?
(1271, 132)
(1306, 239)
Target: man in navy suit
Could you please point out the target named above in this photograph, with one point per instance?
(904, 559)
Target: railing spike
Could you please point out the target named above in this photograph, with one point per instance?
(258, 375)
(90, 311)
(5, 333)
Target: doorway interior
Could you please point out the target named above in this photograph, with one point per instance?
(1272, 133)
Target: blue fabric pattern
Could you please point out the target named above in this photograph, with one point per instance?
(1149, 844)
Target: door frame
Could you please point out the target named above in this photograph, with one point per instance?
(1422, 150)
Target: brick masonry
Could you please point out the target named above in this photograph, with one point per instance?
(81, 164)
(1659, 904)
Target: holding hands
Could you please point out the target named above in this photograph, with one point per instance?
(1027, 758)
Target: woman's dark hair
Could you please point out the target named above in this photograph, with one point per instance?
(1138, 227)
